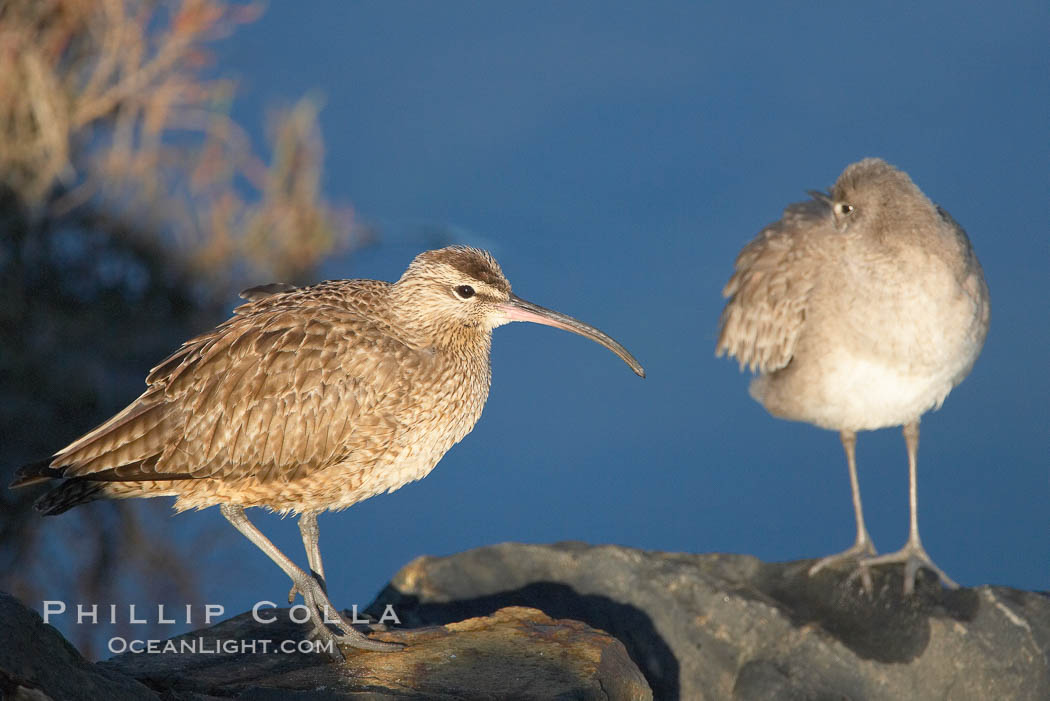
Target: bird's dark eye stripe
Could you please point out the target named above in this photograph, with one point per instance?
(465, 291)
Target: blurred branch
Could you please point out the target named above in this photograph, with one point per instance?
(110, 104)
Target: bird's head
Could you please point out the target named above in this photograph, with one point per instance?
(451, 294)
(873, 197)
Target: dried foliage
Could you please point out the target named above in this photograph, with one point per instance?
(110, 104)
(131, 207)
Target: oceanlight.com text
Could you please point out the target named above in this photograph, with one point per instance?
(213, 646)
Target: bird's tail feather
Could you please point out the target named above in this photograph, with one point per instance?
(70, 493)
(35, 472)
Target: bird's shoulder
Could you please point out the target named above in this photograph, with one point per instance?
(338, 326)
(770, 287)
(782, 243)
(366, 299)
(958, 242)
(967, 268)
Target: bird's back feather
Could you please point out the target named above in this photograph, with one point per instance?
(769, 289)
(275, 390)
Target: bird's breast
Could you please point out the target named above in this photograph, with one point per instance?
(910, 312)
(434, 411)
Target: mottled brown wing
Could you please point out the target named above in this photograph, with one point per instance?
(769, 289)
(269, 393)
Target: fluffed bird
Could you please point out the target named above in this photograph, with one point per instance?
(859, 309)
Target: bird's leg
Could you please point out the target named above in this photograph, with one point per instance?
(311, 533)
(317, 602)
(913, 555)
(863, 546)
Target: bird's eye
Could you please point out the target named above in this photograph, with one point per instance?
(845, 209)
(464, 291)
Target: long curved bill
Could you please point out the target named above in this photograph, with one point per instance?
(518, 309)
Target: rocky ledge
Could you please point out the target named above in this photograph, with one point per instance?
(574, 621)
(732, 626)
(514, 652)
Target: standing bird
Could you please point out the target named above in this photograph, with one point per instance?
(860, 309)
(308, 400)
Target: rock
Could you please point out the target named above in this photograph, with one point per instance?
(515, 652)
(527, 622)
(731, 626)
(37, 663)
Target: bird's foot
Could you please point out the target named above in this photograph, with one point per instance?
(323, 612)
(857, 553)
(333, 641)
(914, 556)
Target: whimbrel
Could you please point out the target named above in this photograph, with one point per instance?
(859, 309)
(309, 400)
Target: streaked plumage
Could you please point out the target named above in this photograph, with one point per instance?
(309, 399)
(859, 310)
(298, 395)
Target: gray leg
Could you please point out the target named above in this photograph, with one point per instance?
(311, 533)
(863, 546)
(316, 600)
(913, 555)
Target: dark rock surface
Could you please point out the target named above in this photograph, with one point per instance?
(731, 626)
(528, 622)
(514, 653)
(37, 663)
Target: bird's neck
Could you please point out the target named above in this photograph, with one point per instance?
(470, 343)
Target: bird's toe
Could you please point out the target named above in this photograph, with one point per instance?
(914, 558)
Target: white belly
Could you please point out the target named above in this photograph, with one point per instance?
(863, 394)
